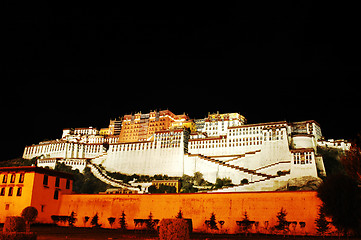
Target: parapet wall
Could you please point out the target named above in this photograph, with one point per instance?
(261, 207)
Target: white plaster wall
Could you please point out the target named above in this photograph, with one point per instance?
(303, 142)
(273, 152)
(300, 170)
(148, 161)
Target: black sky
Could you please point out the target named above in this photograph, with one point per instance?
(68, 66)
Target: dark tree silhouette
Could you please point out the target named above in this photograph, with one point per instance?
(212, 223)
(341, 198)
(322, 225)
(111, 220)
(351, 162)
(122, 222)
(179, 214)
(29, 214)
(94, 222)
(282, 223)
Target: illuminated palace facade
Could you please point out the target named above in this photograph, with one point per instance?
(218, 146)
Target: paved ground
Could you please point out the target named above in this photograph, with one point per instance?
(60, 233)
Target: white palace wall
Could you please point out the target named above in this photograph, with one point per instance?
(254, 152)
(146, 161)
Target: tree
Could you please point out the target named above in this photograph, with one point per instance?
(94, 221)
(29, 214)
(282, 223)
(198, 179)
(187, 183)
(179, 214)
(245, 224)
(72, 219)
(322, 225)
(224, 182)
(111, 220)
(212, 223)
(341, 198)
(351, 162)
(244, 181)
(85, 220)
(150, 222)
(122, 222)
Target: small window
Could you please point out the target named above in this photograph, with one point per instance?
(11, 189)
(57, 182)
(12, 179)
(2, 193)
(5, 178)
(45, 180)
(42, 208)
(7, 206)
(67, 184)
(18, 193)
(21, 179)
(56, 194)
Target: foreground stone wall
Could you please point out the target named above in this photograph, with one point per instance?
(261, 207)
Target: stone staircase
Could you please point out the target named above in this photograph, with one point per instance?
(267, 184)
(222, 163)
(243, 155)
(102, 176)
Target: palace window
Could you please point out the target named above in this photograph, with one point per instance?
(56, 194)
(12, 179)
(2, 192)
(18, 193)
(5, 178)
(11, 190)
(21, 178)
(57, 182)
(45, 180)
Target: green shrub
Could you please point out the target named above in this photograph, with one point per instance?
(173, 229)
(14, 224)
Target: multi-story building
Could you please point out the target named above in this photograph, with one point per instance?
(217, 124)
(41, 188)
(141, 127)
(218, 146)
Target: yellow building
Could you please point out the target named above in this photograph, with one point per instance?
(172, 183)
(104, 131)
(25, 186)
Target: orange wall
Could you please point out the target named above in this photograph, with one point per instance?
(44, 196)
(301, 206)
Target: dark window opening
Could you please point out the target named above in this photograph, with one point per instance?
(57, 182)
(5, 178)
(67, 184)
(18, 193)
(45, 180)
(12, 179)
(56, 194)
(21, 179)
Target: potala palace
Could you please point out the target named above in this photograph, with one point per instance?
(218, 146)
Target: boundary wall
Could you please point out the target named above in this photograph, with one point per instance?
(262, 207)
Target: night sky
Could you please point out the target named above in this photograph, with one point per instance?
(79, 66)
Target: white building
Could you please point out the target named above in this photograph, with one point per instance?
(266, 154)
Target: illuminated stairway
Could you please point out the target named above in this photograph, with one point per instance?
(102, 176)
(222, 163)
